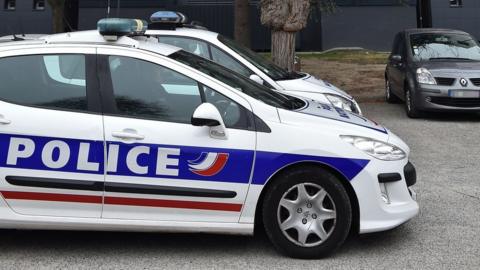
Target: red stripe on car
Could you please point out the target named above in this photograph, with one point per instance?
(54, 197)
(173, 204)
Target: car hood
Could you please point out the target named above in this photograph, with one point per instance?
(451, 67)
(327, 111)
(309, 83)
(327, 119)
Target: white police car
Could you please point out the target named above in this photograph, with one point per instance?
(105, 132)
(171, 28)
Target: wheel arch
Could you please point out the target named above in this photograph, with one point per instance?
(355, 227)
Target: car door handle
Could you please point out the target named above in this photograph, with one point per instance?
(4, 121)
(128, 134)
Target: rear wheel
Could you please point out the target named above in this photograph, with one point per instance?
(307, 213)
(389, 96)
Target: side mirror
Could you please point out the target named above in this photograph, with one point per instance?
(256, 78)
(208, 115)
(396, 58)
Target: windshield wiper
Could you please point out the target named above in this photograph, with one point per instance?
(452, 58)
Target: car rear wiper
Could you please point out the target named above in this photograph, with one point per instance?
(451, 58)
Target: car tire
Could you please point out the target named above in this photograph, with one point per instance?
(314, 202)
(410, 106)
(390, 97)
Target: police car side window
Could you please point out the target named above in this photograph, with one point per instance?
(49, 81)
(229, 62)
(190, 45)
(233, 114)
(147, 90)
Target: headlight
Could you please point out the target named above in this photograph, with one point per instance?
(376, 149)
(424, 76)
(342, 103)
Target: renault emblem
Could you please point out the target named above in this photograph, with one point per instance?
(463, 82)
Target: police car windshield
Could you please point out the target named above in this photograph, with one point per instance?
(273, 71)
(238, 81)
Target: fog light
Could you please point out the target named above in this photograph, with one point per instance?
(385, 198)
(384, 193)
(412, 193)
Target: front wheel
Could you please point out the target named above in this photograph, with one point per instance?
(410, 106)
(307, 213)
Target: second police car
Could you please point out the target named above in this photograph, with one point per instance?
(173, 28)
(104, 132)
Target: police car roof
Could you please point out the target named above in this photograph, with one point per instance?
(93, 37)
(185, 31)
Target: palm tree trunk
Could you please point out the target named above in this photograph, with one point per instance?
(283, 49)
(242, 22)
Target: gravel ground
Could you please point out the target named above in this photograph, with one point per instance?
(364, 81)
(446, 234)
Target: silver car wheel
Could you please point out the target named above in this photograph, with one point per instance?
(408, 100)
(306, 214)
(387, 89)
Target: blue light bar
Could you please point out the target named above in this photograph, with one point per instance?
(121, 27)
(168, 17)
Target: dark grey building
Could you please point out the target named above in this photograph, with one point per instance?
(25, 16)
(457, 14)
(355, 23)
(370, 24)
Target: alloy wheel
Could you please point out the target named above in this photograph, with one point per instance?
(306, 214)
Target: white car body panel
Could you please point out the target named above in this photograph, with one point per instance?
(312, 133)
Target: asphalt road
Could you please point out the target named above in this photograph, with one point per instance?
(445, 235)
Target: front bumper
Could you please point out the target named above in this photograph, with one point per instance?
(437, 98)
(385, 204)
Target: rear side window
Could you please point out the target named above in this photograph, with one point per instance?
(49, 81)
(229, 62)
(190, 45)
(396, 44)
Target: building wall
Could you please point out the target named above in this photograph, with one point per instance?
(366, 23)
(370, 27)
(24, 19)
(466, 18)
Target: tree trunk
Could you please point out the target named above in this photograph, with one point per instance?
(284, 18)
(242, 22)
(283, 49)
(57, 15)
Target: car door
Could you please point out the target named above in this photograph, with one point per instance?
(160, 166)
(51, 132)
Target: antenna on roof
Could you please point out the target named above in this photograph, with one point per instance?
(15, 38)
(118, 8)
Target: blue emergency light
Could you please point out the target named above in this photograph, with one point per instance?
(121, 27)
(168, 17)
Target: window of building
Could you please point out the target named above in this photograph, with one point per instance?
(10, 5)
(53, 81)
(38, 4)
(456, 3)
